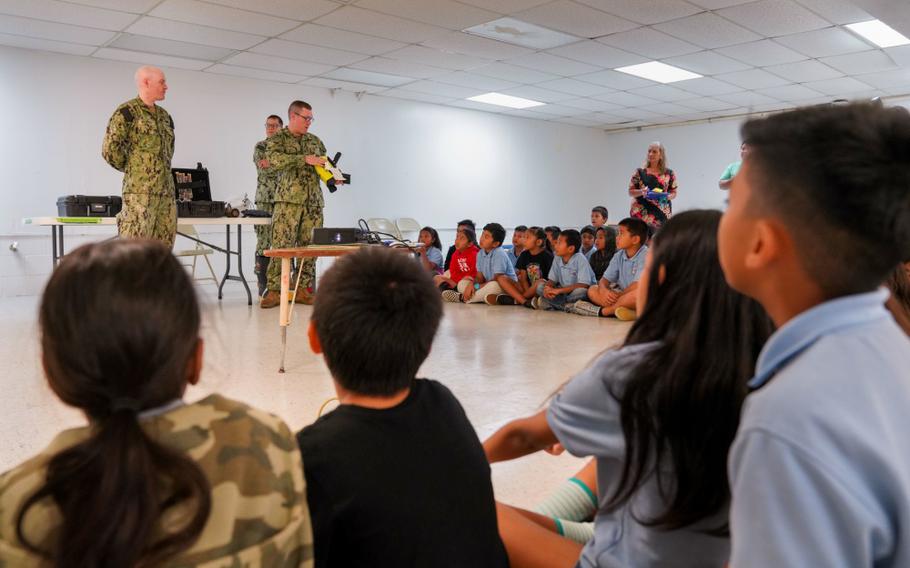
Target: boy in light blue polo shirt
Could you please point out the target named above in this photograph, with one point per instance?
(616, 293)
(495, 273)
(518, 244)
(820, 468)
(570, 275)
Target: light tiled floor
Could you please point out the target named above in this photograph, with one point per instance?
(501, 363)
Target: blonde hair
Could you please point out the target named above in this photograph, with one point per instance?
(662, 162)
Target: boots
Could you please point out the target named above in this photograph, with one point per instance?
(262, 269)
(270, 299)
(305, 296)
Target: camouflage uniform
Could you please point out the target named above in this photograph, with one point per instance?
(266, 180)
(259, 513)
(298, 199)
(140, 143)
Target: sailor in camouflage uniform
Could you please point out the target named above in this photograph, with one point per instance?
(140, 143)
(298, 198)
(266, 180)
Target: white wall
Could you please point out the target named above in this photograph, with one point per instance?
(436, 164)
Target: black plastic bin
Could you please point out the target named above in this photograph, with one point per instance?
(200, 208)
(89, 205)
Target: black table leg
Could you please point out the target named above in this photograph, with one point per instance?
(249, 295)
(227, 259)
(54, 245)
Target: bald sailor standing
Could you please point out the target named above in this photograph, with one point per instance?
(140, 143)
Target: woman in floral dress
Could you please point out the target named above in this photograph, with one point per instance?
(652, 188)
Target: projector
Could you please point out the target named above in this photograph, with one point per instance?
(336, 236)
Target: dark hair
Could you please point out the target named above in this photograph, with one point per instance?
(898, 283)
(602, 210)
(520, 229)
(296, 106)
(541, 235)
(552, 229)
(376, 314)
(497, 231)
(119, 325)
(682, 401)
(636, 228)
(276, 117)
(828, 173)
(573, 238)
(587, 230)
(467, 223)
(470, 234)
(435, 235)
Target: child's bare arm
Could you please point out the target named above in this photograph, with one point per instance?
(520, 438)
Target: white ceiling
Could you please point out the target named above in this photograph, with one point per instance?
(756, 55)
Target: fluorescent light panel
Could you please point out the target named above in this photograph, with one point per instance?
(505, 100)
(879, 33)
(657, 71)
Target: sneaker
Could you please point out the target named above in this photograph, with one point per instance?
(500, 300)
(584, 308)
(569, 308)
(451, 296)
(304, 296)
(625, 314)
(535, 303)
(271, 299)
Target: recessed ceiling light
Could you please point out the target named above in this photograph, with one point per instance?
(505, 100)
(879, 33)
(516, 32)
(660, 72)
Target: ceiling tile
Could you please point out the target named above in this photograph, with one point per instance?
(522, 33)
(664, 93)
(151, 59)
(474, 105)
(900, 55)
(467, 44)
(170, 47)
(603, 118)
(671, 109)
(40, 29)
(753, 79)
(708, 30)
(435, 88)
(708, 86)
(773, 107)
(649, 43)
(343, 85)
(131, 6)
(474, 81)
(637, 113)
(645, 11)
(398, 67)
(863, 62)
(367, 77)
(762, 53)
(790, 93)
(615, 80)
(179, 31)
(746, 99)
(707, 63)
(596, 53)
(538, 94)
(443, 13)
(552, 64)
(625, 99)
(575, 87)
(222, 17)
(415, 96)
(591, 104)
(46, 44)
(822, 43)
(576, 19)
(803, 71)
(222, 69)
(718, 4)
(840, 86)
(372, 23)
(314, 53)
(514, 73)
(887, 79)
(437, 58)
(66, 13)
(774, 17)
(707, 104)
(558, 110)
(300, 10)
(836, 11)
(575, 121)
(526, 113)
(279, 64)
(505, 6)
(340, 39)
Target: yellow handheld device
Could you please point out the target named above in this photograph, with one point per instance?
(331, 175)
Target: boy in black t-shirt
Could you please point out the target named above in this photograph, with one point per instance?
(395, 475)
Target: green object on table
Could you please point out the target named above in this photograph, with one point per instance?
(80, 220)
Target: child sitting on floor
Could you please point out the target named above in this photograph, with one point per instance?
(615, 294)
(518, 244)
(569, 278)
(587, 241)
(533, 265)
(431, 251)
(463, 263)
(552, 234)
(605, 249)
(495, 274)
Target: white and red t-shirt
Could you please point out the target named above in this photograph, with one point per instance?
(463, 264)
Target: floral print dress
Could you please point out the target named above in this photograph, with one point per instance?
(653, 211)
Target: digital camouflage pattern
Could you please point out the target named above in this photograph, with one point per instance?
(266, 182)
(259, 511)
(298, 199)
(148, 217)
(139, 142)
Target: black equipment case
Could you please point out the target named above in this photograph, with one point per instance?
(194, 193)
(89, 205)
